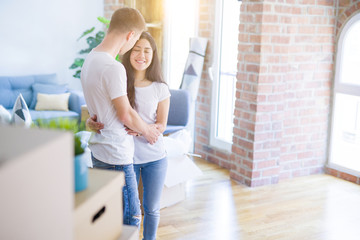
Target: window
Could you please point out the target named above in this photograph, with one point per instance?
(345, 133)
(177, 33)
(224, 71)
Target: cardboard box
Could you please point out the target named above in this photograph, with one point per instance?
(84, 113)
(173, 195)
(36, 183)
(98, 209)
(129, 233)
(180, 169)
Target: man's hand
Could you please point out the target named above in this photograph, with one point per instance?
(132, 132)
(93, 125)
(152, 134)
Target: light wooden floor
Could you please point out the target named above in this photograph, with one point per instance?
(305, 208)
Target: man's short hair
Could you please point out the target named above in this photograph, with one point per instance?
(127, 19)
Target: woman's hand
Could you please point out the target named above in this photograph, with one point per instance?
(93, 125)
(160, 127)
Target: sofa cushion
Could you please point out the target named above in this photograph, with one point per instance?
(20, 114)
(46, 78)
(47, 89)
(57, 102)
(173, 128)
(52, 114)
(11, 87)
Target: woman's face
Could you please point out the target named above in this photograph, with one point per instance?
(141, 55)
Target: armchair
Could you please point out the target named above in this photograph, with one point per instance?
(179, 110)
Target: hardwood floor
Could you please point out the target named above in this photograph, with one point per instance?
(313, 207)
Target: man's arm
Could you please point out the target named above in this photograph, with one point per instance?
(129, 117)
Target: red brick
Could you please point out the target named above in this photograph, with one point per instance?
(270, 172)
(316, 11)
(348, 177)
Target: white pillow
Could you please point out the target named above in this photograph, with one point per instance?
(57, 102)
(20, 113)
(5, 116)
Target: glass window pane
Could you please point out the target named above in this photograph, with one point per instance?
(180, 30)
(345, 149)
(228, 69)
(227, 88)
(350, 70)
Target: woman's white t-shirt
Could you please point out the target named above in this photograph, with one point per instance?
(147, 100)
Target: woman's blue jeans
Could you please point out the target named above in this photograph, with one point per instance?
(131, 202)
(153, 178)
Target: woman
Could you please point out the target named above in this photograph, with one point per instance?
(149, 95)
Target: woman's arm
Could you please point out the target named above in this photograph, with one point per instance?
(162, 114)
(92, 124)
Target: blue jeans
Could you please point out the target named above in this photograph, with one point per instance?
(131, 202)
(153, 178)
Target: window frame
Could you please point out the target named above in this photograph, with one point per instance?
(343, 88)
(215, 72)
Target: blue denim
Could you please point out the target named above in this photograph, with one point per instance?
(153, 178)
(131, 202)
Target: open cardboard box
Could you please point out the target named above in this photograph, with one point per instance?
(180, 170)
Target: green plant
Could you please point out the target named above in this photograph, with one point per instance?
(92, 42)
(65, 124)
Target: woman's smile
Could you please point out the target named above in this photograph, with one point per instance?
(141, 55)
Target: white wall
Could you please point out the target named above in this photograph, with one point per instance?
(39, 36)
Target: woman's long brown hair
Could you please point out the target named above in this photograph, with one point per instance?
(153, 72)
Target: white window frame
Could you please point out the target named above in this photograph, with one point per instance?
(343, 88)
(214, 73)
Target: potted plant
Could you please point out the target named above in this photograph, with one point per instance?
(80, 162)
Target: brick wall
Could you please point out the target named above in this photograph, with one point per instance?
(285, 74)
(345, 9)
(111, 5)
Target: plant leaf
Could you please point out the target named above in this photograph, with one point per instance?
(77, 74)
(104, 21)
(83, 51)
(73, 66)
(93, 42)
(78, 62)
(78, 149)
(100, 36)
(86, 33)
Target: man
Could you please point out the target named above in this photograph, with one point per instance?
(104, 84)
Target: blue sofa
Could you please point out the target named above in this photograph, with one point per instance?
(30, 85)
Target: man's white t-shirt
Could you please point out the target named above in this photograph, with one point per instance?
(147, 100)
(104, 79)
